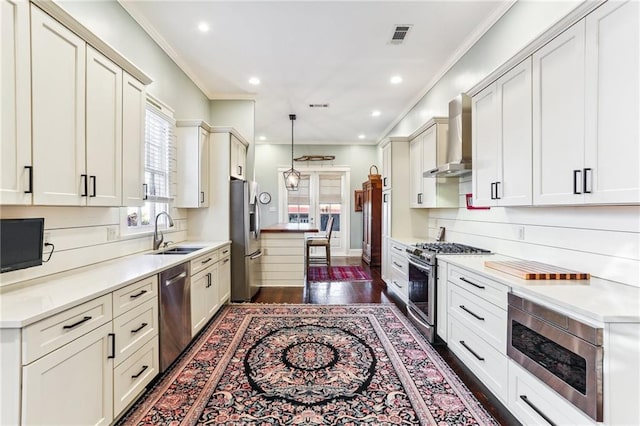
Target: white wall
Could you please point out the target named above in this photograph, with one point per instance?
(601, 240)
(358, 157)
(80, 234)
(239, 114)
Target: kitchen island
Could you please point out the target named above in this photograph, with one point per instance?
(283, 259)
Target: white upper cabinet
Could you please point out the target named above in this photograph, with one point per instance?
(424, 150)
(238, 164)
(612, 141)
(502, 140)
(558, 118)
(15, 92)
(58, 112)
(133, 121)
(104, 130)
(193, 164)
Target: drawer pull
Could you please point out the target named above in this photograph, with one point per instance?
(397, 264)
(471, 313)
(143, 325)
(225, 261)
(396, 284)
(397, 248)
(75, 324)
(113, 345)
(472, 283)
(536, 409)
(207, 261)
(135, 296)
(144, 368)
(225, 251)
(471, 350)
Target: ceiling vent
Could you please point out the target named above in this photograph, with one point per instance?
(400, 33)
(318, 105)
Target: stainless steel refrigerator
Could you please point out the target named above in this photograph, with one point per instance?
(245, 243)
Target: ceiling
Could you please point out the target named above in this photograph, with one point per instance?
(317, 52)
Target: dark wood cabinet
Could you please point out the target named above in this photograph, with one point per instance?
(372, 220)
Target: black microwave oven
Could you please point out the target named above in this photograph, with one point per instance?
(20, 243)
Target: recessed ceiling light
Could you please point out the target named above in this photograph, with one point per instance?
(396, 79)
(203, 26)
(262, 138)
(254, 80)
(361, 136)
(375, 113)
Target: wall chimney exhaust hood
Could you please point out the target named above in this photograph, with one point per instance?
(458, 147)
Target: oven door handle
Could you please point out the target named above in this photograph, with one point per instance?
(420, 267)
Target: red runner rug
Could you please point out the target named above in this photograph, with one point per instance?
(309, 365)
(337, 273)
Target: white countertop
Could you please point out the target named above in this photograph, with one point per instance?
(30, 301)
(596, 299)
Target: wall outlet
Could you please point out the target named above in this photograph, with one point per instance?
(46, 237)
(112, 233)
(520, 232)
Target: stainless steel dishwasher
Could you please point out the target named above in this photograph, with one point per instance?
(175, 313)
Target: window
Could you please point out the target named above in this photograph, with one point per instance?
(330, 199)
(159, 166)
(298, 202)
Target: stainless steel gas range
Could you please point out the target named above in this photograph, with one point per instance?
(421, 308)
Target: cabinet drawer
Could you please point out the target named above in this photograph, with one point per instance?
(400, 286)
(484, 361)
(134, 295)
(224, 252)
(397, 248)
(485, 319)
(51, 333)
(203, 261)
(400, 265)
(486, 288)
(132, 376)
(526, 392)
(134, 328)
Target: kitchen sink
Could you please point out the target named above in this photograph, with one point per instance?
(178, 250)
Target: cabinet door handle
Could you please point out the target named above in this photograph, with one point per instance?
(472, 283)
(471, 350)
(537, 410)
(143, 325)
(585, 180)
(493, 185)
(113, 345)
(497, 196)
(201, 197)
(93, 185)
(75, 324)
(208, 280)
(30, 190)
(239, 170)
(85, 185)
(144, 368)
(384, 181)
(384, 198)
(146, 191)
(471, 313)
(397, 264)
(420, 198)
(135, 296)
(575, 182)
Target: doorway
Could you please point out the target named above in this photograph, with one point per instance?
(321, 193)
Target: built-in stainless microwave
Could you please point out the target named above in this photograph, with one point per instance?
(564, 353)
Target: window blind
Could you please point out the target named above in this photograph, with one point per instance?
(160, 156)
(330, 189)
(301, 196)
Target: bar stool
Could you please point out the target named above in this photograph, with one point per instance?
(320, 240)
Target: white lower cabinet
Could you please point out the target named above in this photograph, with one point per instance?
(224, 275)
(534, 403)
(204, 297)
(398, 270)
(71, 385)
(442, 313)
(477, 326)
(131, 377)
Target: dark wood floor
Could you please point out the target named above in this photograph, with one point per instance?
(335, 293)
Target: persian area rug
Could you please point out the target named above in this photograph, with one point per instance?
(337, 273)
(309, 365)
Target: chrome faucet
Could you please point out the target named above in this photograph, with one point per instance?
(158, 240)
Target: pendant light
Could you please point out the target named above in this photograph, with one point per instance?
(291, 176)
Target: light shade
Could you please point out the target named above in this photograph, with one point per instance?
(291, 176)
(291, 179)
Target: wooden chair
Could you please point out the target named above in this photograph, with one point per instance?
(320, 240)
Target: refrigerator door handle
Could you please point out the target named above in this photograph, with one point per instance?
(256, 254)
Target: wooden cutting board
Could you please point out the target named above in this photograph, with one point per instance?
(528, 270)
